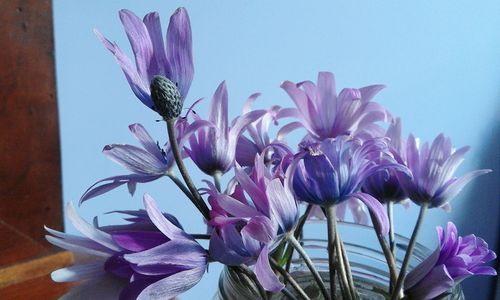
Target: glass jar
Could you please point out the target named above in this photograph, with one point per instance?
(368, 264)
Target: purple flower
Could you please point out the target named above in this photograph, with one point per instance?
(102, 250)
(332, 172)
(213, 149)
(258, 140)
(169, 269)
(433, 169)
(327, 115)
(385, 186)
(245, 229)
(455, 259)
(146, 164)
(173, 60)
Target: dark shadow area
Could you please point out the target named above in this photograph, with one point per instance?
(484, 209)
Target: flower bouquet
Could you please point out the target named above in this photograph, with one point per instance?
(351, 159)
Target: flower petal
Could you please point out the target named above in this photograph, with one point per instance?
(179, 50)
(265, 274)
(377, 210)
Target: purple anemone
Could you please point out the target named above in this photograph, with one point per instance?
(169, 269)
(213, 149)
(146, 164)
(332, 171)
(327, 115)
(455, 259)
(173, 60)
(99, 252)
(245, 229)
(433, 169)
(385, 186)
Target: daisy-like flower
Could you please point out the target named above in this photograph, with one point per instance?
(146, 164)
(433, 169)
(213, 149)
(245, 229)
(385, 186)
(327, 115)
(169, 269)
(455, 259)
(151, 257)
(332, 172)
(173, 60)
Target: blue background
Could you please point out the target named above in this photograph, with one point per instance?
(440, 61)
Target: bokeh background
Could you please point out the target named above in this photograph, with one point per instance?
(440, 61)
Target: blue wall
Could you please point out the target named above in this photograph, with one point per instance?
(439, 59)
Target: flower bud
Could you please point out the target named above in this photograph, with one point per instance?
(166, 97)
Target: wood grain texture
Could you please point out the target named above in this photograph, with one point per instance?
(30, 176)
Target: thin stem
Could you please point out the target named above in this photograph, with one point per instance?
(347, 266)
(297, 232)
(389, 257)
(249, 274)
(409, 252)
(390, 215)
(288, 294)
(331, 223)
(197, 200)
(217, 175)
(288, 278)
(180, 185)
(293, 241)
(200, 236)
(341, 267)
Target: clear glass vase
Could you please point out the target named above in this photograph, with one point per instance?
(368, 264)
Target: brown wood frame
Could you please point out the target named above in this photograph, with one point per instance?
(30, 172)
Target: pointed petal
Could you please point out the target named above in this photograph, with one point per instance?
(453, 187)
(179, 50)
(159, 63)
(218, 110)
(163, 224)
(283, 205)
(135, 159)
(435, 283)
(140, 89)
(173, 285)
(377, 210)
(140, 41)
(89, 231)
(265, 274)
(142, 135)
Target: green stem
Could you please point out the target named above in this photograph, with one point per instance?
(347, 267)
(197, 200)
(390, 215)
(409, 252)
(341, 263)
(288, 278)
(288, 294)
(297, 232)
(293, 241)
(217, 176)
(389, 257)
(332, 263)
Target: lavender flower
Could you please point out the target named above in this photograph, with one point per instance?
(173, 60)
(332, 172)
(246, 229)
(169, 269)
(146, 164)
(101, 252)
(455, 259)
(433, 169)
(385, 186)
(326, 115)
(213, 150)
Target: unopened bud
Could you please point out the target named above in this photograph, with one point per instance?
(166, 97)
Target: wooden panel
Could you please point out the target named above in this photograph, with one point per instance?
(31, 279)
(30, 177)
